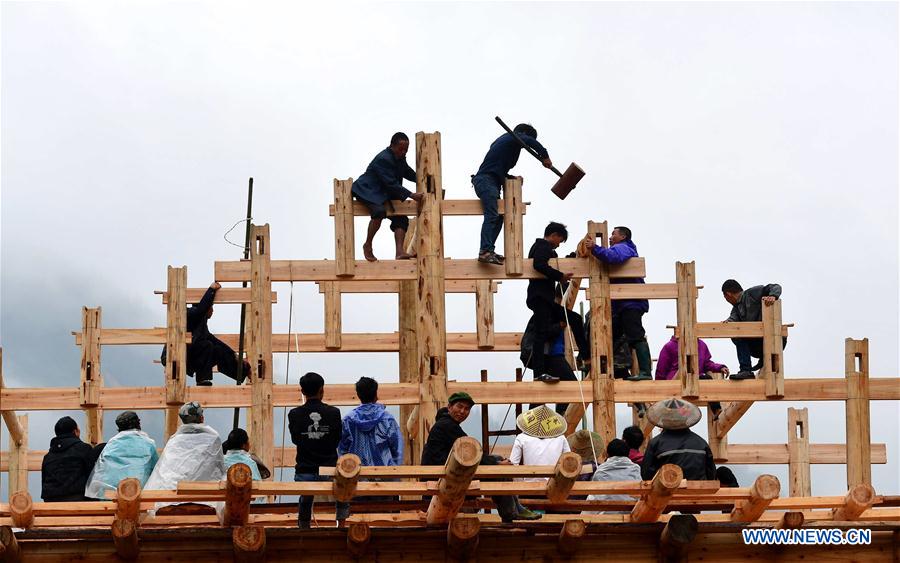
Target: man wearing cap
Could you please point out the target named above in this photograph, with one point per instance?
(67, 465)
(542, 440)
(130, 453)
(617, 467)
(677, 444)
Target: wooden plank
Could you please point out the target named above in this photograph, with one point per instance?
(224, 296)
(513, 238)
(176, 346)
(856, 367)
(360, 286)
(642, 291)
(798, 449)
(449, 208)
(332, 316)
(686, 310)
(484, 314)
(734, 330)
(344, 239)
(408, 361)
(259, 349)
(18, 460)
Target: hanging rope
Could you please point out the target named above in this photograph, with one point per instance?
(225, 236)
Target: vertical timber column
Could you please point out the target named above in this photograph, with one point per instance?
(431, 333)
(176, 350)
(259, 355)
(344, 250)
(718, 446)
(409, 370)
(773, 345)
(91, 379)
(18, 459)
(513, 243)
(601, 341)
(859, 454)
(798, 452)
(484, 314)
(332, 314)
(688, 368)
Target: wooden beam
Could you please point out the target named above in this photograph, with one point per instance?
(332, 316)
(513, 238)
(798, 449)
(601, 372)
(686, 310)
(249, 544)
(567, 470)
(344, 239)
(176, 347)
(730, 415)
(21, 509)
(16, 433)
(358, 537)
(128, 499)
(664, 483)
(791, 520)
(718, 445)
(259, 349)
(734, 330)
(765, 489)
(570, 536)
(856, 368)
(18, 459)
(408, 365)
(224, 296)
(484, 314)
(125, 538)
(859, 498)
(680, 531)
(346, 477)
(462, 538)
(359, 286)
(9, 547)
(450, 207)
(91, 375)
(773, 366)
(464, 458)
(239, 480)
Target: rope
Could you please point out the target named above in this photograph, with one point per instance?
(225, 236)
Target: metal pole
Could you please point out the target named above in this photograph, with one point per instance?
(240, 367)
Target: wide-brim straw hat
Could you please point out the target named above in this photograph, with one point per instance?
(673, 414)
(580, 443)
(541, 422)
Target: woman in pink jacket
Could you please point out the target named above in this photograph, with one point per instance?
(667, 365)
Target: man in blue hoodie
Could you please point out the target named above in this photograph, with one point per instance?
(369, 431)
(627, 313)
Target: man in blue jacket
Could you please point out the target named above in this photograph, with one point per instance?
(369, 431)
(627, 313)
(488, 181)
(381, 182)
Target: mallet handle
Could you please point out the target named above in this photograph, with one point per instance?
(530, 150)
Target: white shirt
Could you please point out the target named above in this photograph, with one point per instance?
(528, 450)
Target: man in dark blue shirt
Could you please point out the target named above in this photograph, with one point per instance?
(488, 181)
(382, 182)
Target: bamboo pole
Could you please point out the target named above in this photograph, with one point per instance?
(462, 462)
(666, 480)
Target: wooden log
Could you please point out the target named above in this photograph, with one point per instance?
(666, 480)
(9, 547)
(798, 450)
(465, 456)
(859, 498)
(21, 509)
(18, 458)
(450, 208)
(462, 538)
(513, 239)
(332, 316)
(718, 445)
(686, 309)
(259, 349)
(346, 477)
(484, 314)
(773, 369)
(601, 373)
(567, 470)
(249, 544)
(358, 537)
(791, 520)
(678, 534)
(856, 367)
(749, 329)
(224, 296)
(176, 351)
(570, 536)
(344, 243)
(128, 499)
(91, 375)
(450, 286)
(16, 433)
(765, 489)
(239, 481)
(408, 364)
(125, 538)
(730, 415)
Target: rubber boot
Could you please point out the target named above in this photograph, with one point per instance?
(642, 349)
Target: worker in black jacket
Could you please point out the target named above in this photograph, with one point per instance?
(544, 297)
(677, 444)
(66, 467)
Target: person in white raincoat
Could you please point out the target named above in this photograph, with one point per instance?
(617, 467)
(130, 453)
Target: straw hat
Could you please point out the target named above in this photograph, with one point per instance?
(580, 443)
(673, 414)
(541, 422)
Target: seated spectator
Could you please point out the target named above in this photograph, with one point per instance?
(726, 477)
(634, 437)
(667, 365)
(66, 467)
(617, 467)
(130, 453)
(588, 445)
(746, 306)
(237, 450)
(542, 440)
(369, 431)
(676, 443)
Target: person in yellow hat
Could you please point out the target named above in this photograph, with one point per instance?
(542, 440)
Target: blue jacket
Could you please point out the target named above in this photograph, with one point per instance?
(383, 179)
(130, 453)
(240, 456)
(619, 253)
(504, 154)
(373, 434)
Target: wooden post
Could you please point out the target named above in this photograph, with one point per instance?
(688, 358)
(678, 534)
(21, 509)
(859, 499)
(513, 238)
(344, 244)
(16, 433)
(570, 536)
(346, 477)
(484, 314)
(798, 451)
(601, 342)
(717, 444)
(462, 537)
(664, 483)
(128, 499)
(458, 471)
(765, 489)
(176, 350)
(260, 345)
(332, 315)
(567, 470)
(773, 369)
(358, 537)
(859, 454)
(239, 481)
(125, 538)
(91, 376)
(485, 415)
(408, 365)
(249, 544)
(18, 459)
(791, 520)
(9, 547)
(431, 329)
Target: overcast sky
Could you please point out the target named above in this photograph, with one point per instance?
(759, 140)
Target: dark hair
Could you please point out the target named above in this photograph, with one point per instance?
(617, 448)
(525, 129)
(128, 420)
(236, 440)
(556, 228)
(731, 286)
(366, 390)
(65, 426)
(311, 383)
(633, 436)
(726, 477)
(397, 137)
(625, 231)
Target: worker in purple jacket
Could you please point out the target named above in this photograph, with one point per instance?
(667, 365)
(627, 313)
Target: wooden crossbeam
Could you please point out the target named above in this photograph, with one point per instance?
(753, 329)
(450, 207)
(224, 296)
(359, 286)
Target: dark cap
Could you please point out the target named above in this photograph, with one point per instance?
(128, 420)
(461, 396)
